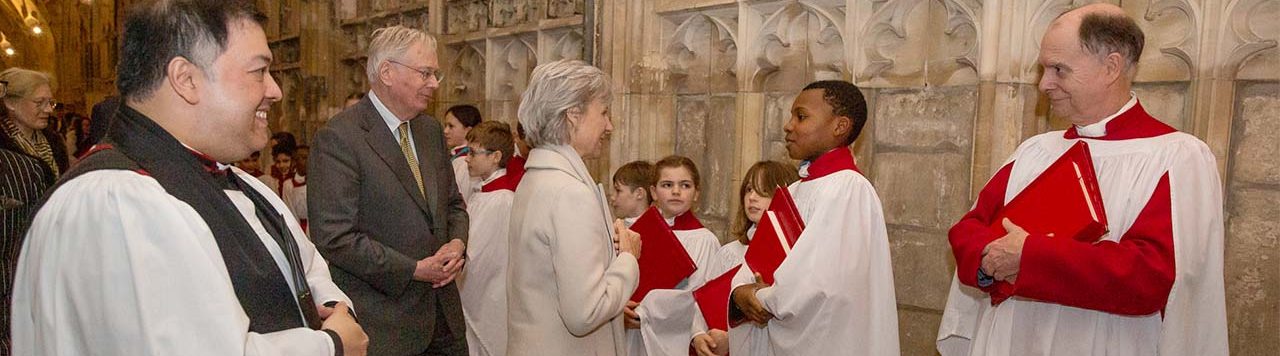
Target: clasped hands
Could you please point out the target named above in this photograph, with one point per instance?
(443, 267)
(1002, 258)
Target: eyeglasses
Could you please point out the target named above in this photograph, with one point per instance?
(45, 103)
(481, 151)
(426, 74)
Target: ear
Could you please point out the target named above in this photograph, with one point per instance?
(185, 78)
(574, 115)
(844, 125)
(384, 73)
(1115, 66)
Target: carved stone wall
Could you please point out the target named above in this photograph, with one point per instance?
(951, 88)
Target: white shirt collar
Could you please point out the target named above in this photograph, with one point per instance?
(1099, 129)
(494, 176)
(390, 119)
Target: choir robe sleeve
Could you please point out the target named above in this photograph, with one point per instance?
(115, 266)
(1129, 277)
(834, 293)
(594, 285)
(972, 234)
(666, 317)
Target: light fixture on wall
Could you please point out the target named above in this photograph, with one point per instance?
(33, 23)
(8, 47)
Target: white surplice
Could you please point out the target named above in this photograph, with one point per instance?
(114, 265)
(292, 192)
(834, 294)
(666, 314)
(483, 285)
(1193, 320)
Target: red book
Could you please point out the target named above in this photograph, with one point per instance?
(779, 228)
(663, 260)
(713, 299)
(1064, 201)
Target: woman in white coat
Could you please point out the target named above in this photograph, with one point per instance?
(572, 266)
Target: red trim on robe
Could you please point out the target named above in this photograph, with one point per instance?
(1129, 277)
(509, 181)
(95, 149)
(1134, 123)
(972, 233)
(686, 222)
(835, 160)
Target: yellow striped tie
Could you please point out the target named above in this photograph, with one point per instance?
(408, 155)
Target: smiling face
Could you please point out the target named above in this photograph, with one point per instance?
(407, 89)
(591, 127)
(1077, 82)
(676, 191)
(239, 93)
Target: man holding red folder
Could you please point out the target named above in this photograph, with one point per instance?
(833, 293)
(1149, 282)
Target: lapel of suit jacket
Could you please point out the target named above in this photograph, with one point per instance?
(424, 145)
(383, 143)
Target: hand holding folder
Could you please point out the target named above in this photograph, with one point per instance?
(663, 260)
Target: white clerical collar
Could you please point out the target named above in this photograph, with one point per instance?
(494, 176)
(393, 122)
(630, 221)
(1099, 129)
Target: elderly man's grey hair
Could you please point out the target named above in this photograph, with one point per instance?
(393, 41)
(555, 89)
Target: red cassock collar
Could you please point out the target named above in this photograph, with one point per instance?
(1131, 124)
(838, 159)
(686, 222)
(508, 181)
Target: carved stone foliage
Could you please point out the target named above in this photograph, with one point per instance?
(798, 43)
(463, 16)
(912, 42)
(562, 43)
(1253, 30)
(564, 8)
(506, 13)
(702, 54)
(511, 64)
(465, 81)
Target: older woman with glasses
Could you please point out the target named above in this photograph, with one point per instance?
(572, 266)
(28, 104)
(25, 174)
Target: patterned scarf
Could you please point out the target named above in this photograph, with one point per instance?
(39, 147)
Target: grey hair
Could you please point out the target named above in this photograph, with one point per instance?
(393, 41)
(555, 89)
(1104, 34)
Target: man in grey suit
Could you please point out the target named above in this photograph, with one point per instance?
(384, 207)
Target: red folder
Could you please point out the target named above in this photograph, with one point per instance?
(1064, 201)
(779, 228)
(713, 299)
(663, 260)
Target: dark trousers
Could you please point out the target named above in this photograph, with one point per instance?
(445, 342)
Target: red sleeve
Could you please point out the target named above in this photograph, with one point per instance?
(972, 234)
(1130, 277)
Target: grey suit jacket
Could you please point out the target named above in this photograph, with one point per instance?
(368, 220)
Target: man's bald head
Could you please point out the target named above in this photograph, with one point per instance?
(1102, 29)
